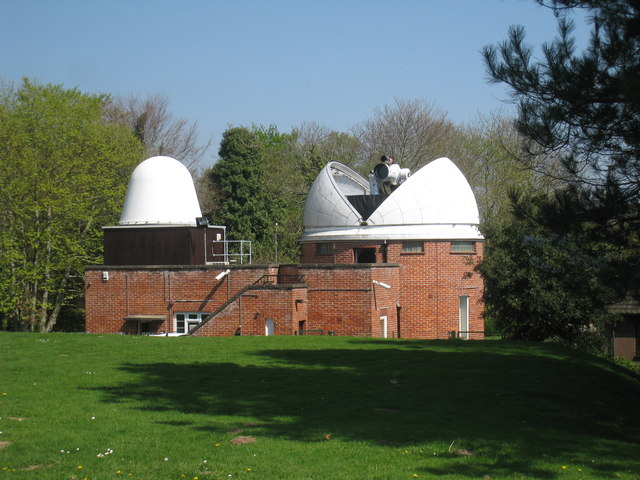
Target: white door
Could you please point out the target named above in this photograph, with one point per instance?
(383, 326)
(464, 317)
(269, 327)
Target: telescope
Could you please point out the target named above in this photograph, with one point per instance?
(385, 176)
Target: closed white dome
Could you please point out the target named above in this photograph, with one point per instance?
(434, 203)
(160, 192)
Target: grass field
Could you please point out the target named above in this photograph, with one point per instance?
(76, 406)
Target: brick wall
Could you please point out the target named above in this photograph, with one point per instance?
(430, 284)
(341, 297)
(248, 314)
(344, 300)
(158, 291)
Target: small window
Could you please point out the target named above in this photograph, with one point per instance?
(180, 322)
(413, 246)
(324, 248)
(184, 322)
(463, 247)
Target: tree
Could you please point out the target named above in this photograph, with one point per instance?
(413, 132)
(489, 152)
(583, 109)
(541, 285)
(155, 127)
(64, 175)
(256, 185)
(318, 145)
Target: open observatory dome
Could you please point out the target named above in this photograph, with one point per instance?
(436, 202)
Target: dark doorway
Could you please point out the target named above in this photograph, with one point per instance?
(364, 255)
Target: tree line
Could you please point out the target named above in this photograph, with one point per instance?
(557, 187)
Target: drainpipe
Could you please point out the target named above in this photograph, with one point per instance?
(126, 294)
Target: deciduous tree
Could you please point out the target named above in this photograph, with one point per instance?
(64, 174)
(162, 134)
(413, 132)
(318, 145)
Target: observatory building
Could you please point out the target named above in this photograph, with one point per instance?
(391, 256)
(161, 222)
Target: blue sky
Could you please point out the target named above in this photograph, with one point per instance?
(281, 62)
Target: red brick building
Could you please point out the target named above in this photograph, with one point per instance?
(374, 263)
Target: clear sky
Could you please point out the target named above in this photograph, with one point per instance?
(280, 62)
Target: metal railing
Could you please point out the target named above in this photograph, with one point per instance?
(317, 331)
(464, 335)
(234, 251)
(275, 279)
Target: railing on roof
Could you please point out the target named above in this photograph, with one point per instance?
(464, 334)
(317, 331)
(233, 251)
(275, 279)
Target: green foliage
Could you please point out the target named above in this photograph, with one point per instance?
(490, 153)
(540, 285)
(584, 106)
(318, 146)
(584, 110)
(256, 190)
(64, 175)
(168, 408)
(633, 367)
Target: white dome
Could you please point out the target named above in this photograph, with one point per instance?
(327, 204)
(434, 203)
(160, 192)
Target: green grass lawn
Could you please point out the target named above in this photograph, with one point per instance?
(76, 406)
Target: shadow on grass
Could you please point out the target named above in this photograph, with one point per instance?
(513, 412)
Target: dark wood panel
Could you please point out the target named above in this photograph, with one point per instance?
(162, 245)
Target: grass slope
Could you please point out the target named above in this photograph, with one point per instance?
(78, 406)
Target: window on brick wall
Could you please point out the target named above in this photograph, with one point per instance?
(324, 248)
(413, 246)
(183, 322)
(463, 246)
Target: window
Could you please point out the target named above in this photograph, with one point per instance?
(463, 247)
(324, 248)
(413, 246)
(184, 322)
(365, 255)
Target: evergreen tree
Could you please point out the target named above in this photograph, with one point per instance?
(584, 109)
(255, 190)
(542, 285)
